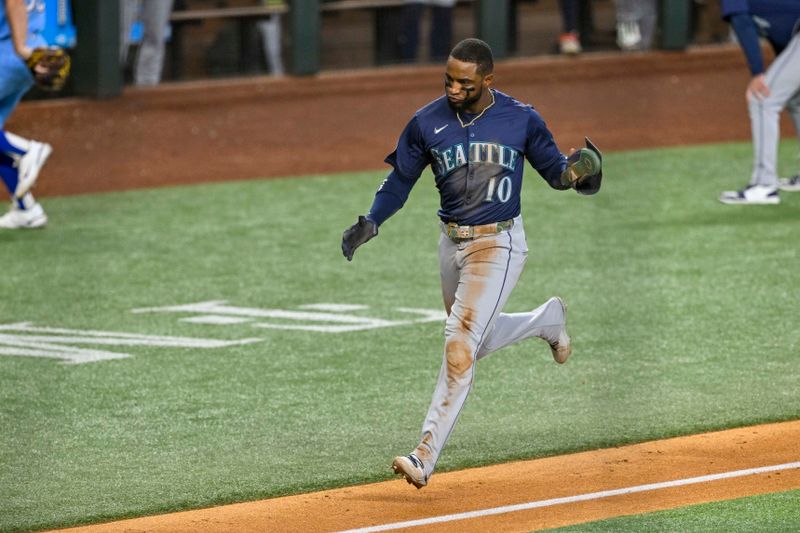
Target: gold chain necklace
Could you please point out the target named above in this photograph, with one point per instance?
(471, 122)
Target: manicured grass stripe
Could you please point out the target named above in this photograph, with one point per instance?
(682, 314)
(768, 513)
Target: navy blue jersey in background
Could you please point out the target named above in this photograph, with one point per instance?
(775, 20)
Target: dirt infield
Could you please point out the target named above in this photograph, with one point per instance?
(516, 484)
(262, 127)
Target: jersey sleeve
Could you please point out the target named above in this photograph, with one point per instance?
(409, 159)
(748, 37)
(730, 7)
(542, 152)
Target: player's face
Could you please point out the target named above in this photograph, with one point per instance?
(466, 90)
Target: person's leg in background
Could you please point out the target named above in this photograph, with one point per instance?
(150, 62)
(409, 31)
(441, 32)
(270, 29)
(793, 107)
(783, 79)
(647, 17)
(129, 13)
(569, 40)
(629, 34)
(20, 159)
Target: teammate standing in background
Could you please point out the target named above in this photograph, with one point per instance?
(569, 41)
(476, 140)
(154, 15)
(769, 91)
(441, 32)
(636, 24)
(21, 24)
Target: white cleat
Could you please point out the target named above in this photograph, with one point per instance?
(29, 166)
(752, 195)
(562, 347)
(17, 218)
(790, 184)
(411, 468)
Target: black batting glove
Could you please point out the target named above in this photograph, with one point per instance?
(356, 235)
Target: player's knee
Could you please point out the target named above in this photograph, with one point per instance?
(458, 354)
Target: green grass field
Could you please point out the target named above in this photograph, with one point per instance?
(770, 513)
(682, 311)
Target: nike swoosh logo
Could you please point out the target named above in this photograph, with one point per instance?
(437, 130)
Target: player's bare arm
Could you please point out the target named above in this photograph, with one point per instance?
(17, 14)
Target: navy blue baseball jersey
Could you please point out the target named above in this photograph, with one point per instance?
(775, 20)
(477, 160)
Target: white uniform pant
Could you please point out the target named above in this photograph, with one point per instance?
(270, 29)
(154, 15)
(478, 276)
(783, 79)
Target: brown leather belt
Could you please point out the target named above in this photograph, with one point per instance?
(459, 233)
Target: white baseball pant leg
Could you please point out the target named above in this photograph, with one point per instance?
(150, 62)
(783, 79)
(270, 29)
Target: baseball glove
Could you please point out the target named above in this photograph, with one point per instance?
(584, 171)
(356, 235)
(50, 67)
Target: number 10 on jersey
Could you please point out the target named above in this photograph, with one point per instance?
(503, 189)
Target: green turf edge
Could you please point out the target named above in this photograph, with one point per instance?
(775, 513)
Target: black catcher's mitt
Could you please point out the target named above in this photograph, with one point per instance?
(356, 235)
(50, 67)
(584, 170)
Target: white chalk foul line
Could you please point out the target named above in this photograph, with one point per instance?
(572, 499)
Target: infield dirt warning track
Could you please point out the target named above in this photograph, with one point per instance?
(525, 495)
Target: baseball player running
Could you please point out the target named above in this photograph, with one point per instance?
(24, 59)
(475, 138)
(768, 92)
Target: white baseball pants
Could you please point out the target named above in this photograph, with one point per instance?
(478, 276)
(783, 80)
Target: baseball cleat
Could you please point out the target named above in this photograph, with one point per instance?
(17, 218)
(790, 184)
(569, 44)
(752, 195)
(562, 347)
(411, 468)
(29, 166)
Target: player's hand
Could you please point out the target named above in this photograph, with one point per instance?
(580, 164)
(757, 88)
(49, 67)
(356, 235)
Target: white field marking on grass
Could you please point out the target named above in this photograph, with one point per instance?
(24, 340)
(334, 321)
(336, 308)
(217, 320)
(572, 499)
